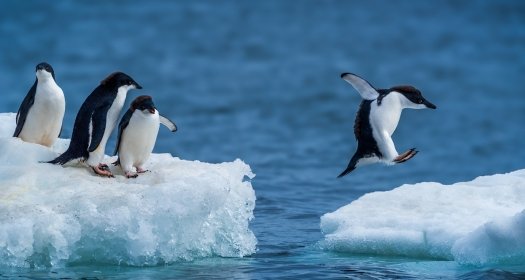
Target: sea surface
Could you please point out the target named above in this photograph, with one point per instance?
(260, 81)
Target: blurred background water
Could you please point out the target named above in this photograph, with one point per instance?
(259, 80)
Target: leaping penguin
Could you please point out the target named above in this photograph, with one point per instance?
(39, 118)
(377, 119)
(137, 134)
(95, 121)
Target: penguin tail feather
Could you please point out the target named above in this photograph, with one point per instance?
(63, 158)
(347, 170)
(351, 166)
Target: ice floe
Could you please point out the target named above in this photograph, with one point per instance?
(52, 215)
(478, 222)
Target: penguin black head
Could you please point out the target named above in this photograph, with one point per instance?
(44, 70)
(142, 103)
(413, 95)
(119, 79)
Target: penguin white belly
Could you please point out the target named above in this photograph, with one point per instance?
(138, 139)
(97, 155)
(384, 119)
(44, 119)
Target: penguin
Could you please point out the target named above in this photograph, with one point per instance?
(39, 118)
(137, 134)
(95, 121)
(377, 119)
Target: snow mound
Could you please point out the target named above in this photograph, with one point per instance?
(181, 210)
(478, 222)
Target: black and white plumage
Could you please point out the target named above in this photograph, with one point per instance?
(137, 134)
(377, 119)
(95, 121)
(39, 118)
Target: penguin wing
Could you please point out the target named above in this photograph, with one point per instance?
(121, 126)
(27, 103)
(364, 88)
(98, 122)
(168, 123)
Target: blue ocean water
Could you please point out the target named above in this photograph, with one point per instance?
(260, 81)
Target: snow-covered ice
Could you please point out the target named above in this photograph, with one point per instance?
(181, 210)
(478, 222)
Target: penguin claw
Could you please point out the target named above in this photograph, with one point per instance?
(103, 170)
(405, 156)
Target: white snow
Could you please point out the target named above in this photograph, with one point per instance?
(181, 210)
(478, 222)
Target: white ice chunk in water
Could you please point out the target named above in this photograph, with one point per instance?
(477, 222)
(498, 241)
(52, 215)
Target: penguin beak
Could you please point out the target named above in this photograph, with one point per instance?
(429, 105)
(151, 110)
(137, 86)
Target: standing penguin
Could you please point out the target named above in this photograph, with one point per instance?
(95, 121)
(137, 134)
(39, 118)
(377, 119)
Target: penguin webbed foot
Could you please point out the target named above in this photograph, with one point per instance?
(103, 170)
(130, 175)
(140, 170)
(405, 156)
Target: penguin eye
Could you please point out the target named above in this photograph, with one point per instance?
(419, 101)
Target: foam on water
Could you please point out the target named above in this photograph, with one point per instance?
(478, 222)
(181, 210)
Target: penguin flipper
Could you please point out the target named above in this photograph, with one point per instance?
(168, 123)
(364, 88)
(121, 126)
(98, 121)
(27, 103)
